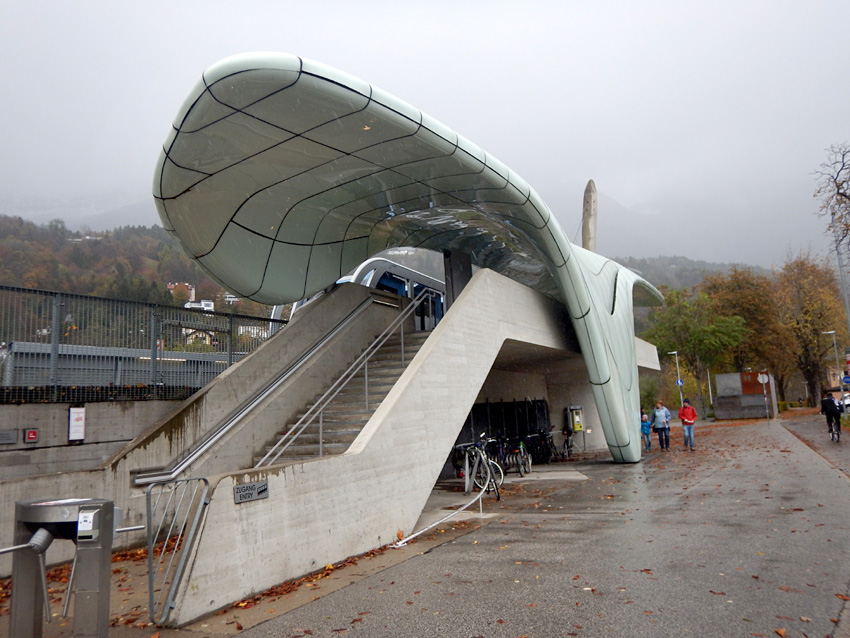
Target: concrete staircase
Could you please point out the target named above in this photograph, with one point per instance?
(349, 411)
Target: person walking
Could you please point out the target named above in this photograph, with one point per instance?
(830, 407)
(660, 419)
(645, 430)
(688, 416)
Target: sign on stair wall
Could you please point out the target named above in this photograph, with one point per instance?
(250, 492)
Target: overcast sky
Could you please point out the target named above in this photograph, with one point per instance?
(701, 122)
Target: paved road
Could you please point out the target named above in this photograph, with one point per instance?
(744, 537)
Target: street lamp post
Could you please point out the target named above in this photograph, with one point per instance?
(838, 369)
(678, 377)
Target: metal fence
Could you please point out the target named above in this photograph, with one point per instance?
(60, 347)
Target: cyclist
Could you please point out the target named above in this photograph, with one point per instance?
(832, 409)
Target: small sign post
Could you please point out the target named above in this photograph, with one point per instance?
(763, 379)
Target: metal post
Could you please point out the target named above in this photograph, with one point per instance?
(710, 396)
(230, 342)
(153, 344)
(54, 344)
(679, 377)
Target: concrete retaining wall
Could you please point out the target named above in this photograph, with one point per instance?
(109, 427)
(202, 412)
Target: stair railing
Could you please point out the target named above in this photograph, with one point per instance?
(179, 465)
(317, 409)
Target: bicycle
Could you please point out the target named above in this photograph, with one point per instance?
(835, 431)
(485, 472)
(569, 448)
(523, 459)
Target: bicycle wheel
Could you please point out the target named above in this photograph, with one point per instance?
(832, 433)
(497, 473)
(479, 475)
(524, 462)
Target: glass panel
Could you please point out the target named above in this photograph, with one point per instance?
(519, 183)
(176, 180)
(441, 167)
(197, 90)
(424, 145)
(247, 61)
(396, 104)
(203, 112)
(335, 75)
(286, 273)
(200, 215)
(224, 143)
(245, 88)
(308, 103)
(497, 166)
(163, 214)
(239, 259)
(470, 149)
(324, 268)
(353, 254)
(541, 207)
(262, 180)
(374, 125)
(439, 128)
(332, 227)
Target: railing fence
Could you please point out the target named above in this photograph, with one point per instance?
(61, 347)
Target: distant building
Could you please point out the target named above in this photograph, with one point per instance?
(203, 304)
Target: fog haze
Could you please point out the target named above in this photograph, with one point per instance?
(701, 123)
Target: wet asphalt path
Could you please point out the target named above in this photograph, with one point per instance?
(747, 536)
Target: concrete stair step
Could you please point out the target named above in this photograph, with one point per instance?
(329, 429)
(294, 458)
(311, 450)
(347, 413)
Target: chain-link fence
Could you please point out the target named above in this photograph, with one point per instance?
(72, 348)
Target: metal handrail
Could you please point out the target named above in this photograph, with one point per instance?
(179, 466)
(175, 523)
(317, 409)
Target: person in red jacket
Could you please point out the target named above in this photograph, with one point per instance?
(688, 416)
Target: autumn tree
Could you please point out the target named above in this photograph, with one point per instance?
(768, 342)
(694, 326)
(809, 304)
(834, 189)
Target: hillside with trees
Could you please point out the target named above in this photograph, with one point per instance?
(132, 262)
(678, 272)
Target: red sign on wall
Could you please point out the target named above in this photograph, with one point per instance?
(750, 384)
(31, 436)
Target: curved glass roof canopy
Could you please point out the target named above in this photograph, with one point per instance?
(281, 175)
